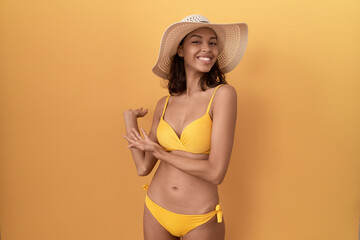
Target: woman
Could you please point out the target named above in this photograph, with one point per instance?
(192, 131)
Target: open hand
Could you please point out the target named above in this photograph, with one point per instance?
(143, 144)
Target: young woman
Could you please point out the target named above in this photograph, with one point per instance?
(192, 131)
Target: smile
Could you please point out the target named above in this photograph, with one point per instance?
(204, 59)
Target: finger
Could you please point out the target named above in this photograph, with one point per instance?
(137, 134)
(144, 133)
(142, 112)
(131, 146)
(145, 111)
(133, 136)
(135, 146)
(130, 140)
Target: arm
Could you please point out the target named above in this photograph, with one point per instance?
(223, 129)
(144, 160)
(222, 136)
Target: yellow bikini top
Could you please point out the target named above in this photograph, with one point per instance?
(195, 138)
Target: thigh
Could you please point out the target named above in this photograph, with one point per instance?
(153, 229)
(211, 230)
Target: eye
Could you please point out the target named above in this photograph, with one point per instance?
(196, 42)
(213, 43)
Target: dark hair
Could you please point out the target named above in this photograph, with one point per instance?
(177, 78)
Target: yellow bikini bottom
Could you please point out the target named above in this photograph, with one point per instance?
(179, 224)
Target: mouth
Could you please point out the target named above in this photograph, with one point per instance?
(204, 60)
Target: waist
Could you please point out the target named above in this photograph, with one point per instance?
(179, 191)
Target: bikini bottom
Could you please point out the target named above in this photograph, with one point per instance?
(179, 224)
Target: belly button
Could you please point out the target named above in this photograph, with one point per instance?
(174, 188)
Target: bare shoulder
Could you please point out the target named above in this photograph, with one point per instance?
(159, 106)
(225, 93)
(161, 102)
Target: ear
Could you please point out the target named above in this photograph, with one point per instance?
(180, 51)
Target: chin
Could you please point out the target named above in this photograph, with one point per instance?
(206, 70)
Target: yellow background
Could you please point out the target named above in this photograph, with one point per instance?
(70, 68)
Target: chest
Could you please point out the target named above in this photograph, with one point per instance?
(181, 113)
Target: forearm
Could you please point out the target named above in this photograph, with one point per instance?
(138, 155)
(203, 169)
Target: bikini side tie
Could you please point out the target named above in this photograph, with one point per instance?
(219, 213)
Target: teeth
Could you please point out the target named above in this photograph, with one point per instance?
(204, 58)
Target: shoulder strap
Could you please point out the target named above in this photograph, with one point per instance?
(167, 99)
(208, 108)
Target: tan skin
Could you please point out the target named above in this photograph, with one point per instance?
(187, 182)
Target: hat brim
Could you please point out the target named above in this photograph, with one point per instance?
(232, 42)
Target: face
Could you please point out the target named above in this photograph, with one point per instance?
(199, 50)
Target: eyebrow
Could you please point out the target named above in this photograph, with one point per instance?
(202, 37)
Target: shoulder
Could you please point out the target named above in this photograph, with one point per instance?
(225, 92)
(225, 95)
(161, 104)
(161, 101)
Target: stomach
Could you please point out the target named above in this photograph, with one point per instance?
(180, 192)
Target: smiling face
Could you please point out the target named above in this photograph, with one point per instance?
(199, 50)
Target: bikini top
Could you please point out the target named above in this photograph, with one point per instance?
(195, 137)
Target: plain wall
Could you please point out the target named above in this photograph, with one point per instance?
(68, 69)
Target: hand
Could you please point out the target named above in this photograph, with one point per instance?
(143, 144)
(139, 112)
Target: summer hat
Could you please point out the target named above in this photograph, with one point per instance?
(232, 41)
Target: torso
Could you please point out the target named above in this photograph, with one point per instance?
(176, 190)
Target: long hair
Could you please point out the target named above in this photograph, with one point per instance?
(177, 77)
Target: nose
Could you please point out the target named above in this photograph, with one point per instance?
(205, 47)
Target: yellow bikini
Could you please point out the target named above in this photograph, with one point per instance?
(195, 138)
(179, 224)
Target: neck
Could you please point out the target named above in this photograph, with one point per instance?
(192, 83)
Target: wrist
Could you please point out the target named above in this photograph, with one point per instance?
(160, 153)
(129, 115)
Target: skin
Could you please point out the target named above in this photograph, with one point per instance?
(186, 182)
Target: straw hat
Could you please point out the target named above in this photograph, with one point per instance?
(232, 41)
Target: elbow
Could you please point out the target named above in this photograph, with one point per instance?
(143, 172)
(217, 178)
(217, 181)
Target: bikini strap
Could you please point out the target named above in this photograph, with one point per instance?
(167, 99)
(208, 108)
